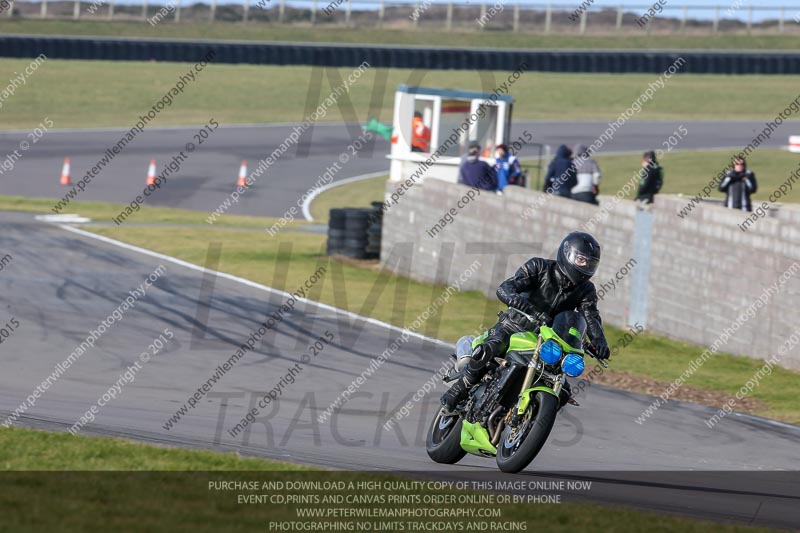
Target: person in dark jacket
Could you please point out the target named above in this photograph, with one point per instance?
(651, 178)
(477, 173)
(541, 289)
(738, 184)
(561, 175)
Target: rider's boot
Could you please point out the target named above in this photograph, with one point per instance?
(472, 374)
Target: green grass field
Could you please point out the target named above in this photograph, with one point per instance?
(375, 293)
(26, 449)
(135, 487)
(103, 212)
(79, 94)
(489, 39)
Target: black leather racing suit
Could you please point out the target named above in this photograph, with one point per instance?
(543, 292)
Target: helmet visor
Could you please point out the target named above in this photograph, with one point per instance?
(582, 262)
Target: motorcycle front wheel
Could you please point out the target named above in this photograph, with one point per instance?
(520, 444)
(444, 439)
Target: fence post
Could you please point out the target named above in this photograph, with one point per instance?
(516, 17)
(313, 12)
(110, 9)
(716, 19)
(620, 13)
(76, 10)
(347, 13)
(213, 11)
(583, 22)
(10, 10)
(281, 9)
(177, 11)
(380, 15)
(548, 18)
(144, 9)
(684, 18)
(782, 19)
(449, 16)
(483, 15)
(245, 11)
(750, 19)
(43, 10)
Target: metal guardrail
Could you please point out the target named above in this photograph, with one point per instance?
(406, 57)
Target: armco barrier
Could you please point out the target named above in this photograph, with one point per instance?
(433, 58)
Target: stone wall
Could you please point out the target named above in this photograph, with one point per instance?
(700, 274)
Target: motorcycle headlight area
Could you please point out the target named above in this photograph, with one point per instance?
(550, 352)
(572, 365)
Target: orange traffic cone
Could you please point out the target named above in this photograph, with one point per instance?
(242, 181)
(65, 172)
(151, 173)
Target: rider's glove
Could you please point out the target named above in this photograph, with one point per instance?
(600, 349)
(520, 302)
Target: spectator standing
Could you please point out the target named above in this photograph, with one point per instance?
(506, 167)
(588, 175)
(651, 178)
(738, 184)
(561, 177)
(477, 173)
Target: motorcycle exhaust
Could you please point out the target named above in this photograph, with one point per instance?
(495, 431)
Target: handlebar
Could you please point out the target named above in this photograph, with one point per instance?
(586, 349)
(523, 313)
(602, 362)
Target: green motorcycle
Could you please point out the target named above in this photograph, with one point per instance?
(509, 414)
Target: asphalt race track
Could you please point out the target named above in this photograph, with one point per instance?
(209, 173)
(62, 284)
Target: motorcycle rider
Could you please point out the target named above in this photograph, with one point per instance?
(541, 288)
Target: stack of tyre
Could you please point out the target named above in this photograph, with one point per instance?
(355, 232)
(374, 231)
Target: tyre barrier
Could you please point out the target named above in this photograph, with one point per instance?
(355, 232)
(422, 58)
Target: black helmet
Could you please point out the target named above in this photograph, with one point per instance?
(571, 327)
(578, 256)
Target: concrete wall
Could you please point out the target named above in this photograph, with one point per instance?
(704, 272)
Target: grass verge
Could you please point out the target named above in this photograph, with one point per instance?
(67, 93)
(102, 211)
(168, 489)
(372, 292)
(27, 449)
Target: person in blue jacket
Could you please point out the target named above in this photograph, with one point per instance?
(561, 174)
(477, 173)
(507, 167)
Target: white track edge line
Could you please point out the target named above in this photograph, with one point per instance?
(307, 204)
(247, 282)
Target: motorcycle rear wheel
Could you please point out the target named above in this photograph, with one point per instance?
(519, 445)
(444, 439)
